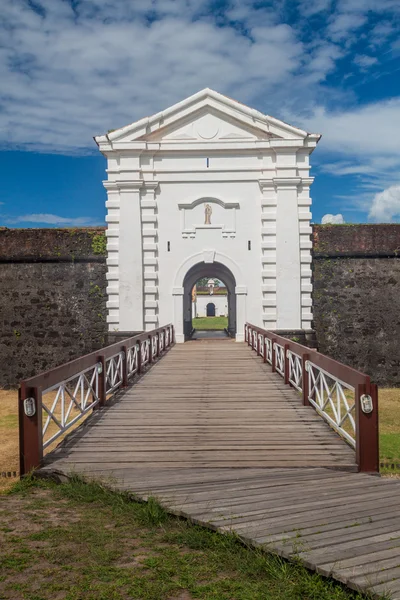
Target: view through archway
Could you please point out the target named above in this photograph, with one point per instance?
(210, 305)
(209, 301)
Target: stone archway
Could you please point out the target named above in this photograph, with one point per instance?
(205, 269)
(209, 263)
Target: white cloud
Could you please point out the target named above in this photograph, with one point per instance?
(344, 24)
(367, 130)
(49, 219)
(70, 77)
(71, 73)
(363, 142)
(386, 205)
(332, 219)
(313, 7)
(365, 61)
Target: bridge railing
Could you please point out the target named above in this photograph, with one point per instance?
(53, 402)
(344, 397)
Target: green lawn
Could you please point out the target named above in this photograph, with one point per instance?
(80, 541)
(210, 323)
(389, 426)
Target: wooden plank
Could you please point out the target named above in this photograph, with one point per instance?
(217, 437)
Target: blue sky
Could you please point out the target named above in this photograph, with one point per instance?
(72, 69)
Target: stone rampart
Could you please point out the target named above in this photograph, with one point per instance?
(356, 297)
(53, 298)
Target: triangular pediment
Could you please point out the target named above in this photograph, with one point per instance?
(207, 124)
(205, 116)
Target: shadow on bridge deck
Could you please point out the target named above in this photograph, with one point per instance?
(210, 334)
(217, 437)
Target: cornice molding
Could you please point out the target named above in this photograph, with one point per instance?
(151, 185)
(126, 186)
(307, 181)
(266, 183)
(286, 182)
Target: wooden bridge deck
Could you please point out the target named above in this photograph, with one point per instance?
(217, 437)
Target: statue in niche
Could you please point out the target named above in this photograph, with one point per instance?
(207, 213)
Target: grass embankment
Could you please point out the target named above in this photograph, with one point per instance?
(8, 434)
(9, 461)
(80, 541)
(216, 323)
(389, 428)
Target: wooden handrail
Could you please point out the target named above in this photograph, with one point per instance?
(366, 441)
(30, 425)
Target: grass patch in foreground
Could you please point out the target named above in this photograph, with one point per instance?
(80, 541)
(8, 435)
(203, 323)
(389, 428)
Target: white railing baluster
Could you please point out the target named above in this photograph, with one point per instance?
(74, 387)
(332, 403)
(279, 359)
(329, 394)
(96, 377)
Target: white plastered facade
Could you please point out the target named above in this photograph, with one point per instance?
(252, 170)
(199, 307)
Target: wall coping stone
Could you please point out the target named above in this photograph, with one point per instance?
(380, 240)
(76, 244)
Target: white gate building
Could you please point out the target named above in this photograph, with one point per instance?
(208, 188)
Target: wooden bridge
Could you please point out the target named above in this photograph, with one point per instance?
(271, 440)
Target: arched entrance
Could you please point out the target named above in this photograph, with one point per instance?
(219, 271)
(210, 309)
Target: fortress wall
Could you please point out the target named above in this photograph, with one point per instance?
(53, 300)
(356, 297)
(53, 297)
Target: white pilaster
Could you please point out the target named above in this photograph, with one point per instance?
(150, 254)
(268, 253)
(288, 297)
(304, 215)
(112, 233)
(241, 293)
(130, 257)
(177, 294)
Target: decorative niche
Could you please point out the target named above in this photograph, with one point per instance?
(208, 213)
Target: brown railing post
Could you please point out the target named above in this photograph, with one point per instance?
(286, 363)
(139, 358)
(258, 345)
(158, 344)
(304, 379)
(367, 432)
(102, 392)
(273, 355)
(150, 349)
(30, 430)
(265, 348)
(125, 366)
